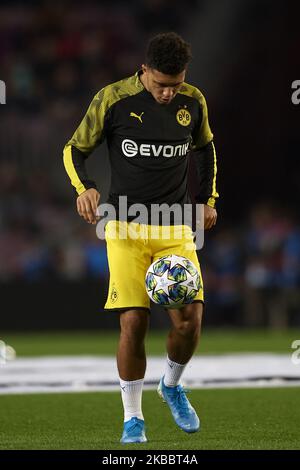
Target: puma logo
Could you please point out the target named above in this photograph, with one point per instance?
(139, 117)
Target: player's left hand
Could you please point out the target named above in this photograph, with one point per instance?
(210, 217)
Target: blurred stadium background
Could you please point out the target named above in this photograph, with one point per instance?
(54, 56)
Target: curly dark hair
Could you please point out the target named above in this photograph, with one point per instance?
(168, 53)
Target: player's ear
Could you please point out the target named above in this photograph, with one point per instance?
(144, 68)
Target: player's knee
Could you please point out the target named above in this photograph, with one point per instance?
(134, 323)
(190, 326)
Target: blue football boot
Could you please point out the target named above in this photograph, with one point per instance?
(134, 431)
(183, 413)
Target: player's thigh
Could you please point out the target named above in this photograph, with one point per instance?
(188, 318)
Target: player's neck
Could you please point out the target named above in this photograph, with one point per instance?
(143, 81)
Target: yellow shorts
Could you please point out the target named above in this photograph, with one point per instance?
(131, 248)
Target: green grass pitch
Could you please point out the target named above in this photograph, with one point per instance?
(105, 343)
(231, 419)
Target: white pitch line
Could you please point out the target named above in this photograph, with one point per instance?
(95, 373)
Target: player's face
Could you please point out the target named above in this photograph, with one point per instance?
(162, 87)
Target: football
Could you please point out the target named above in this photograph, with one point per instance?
(172, 281)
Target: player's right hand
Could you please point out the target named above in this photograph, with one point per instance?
(87, 204)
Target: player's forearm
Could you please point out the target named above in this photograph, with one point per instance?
(74, 161)
(206, 164)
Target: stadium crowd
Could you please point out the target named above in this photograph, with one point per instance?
(54, 53)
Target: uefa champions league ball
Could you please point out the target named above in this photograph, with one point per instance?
(172, 281)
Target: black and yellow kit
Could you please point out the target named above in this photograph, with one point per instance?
(149, 146)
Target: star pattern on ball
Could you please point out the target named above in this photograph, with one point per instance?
(175, 260)
(191, 284)
(163, 282)
(172, 281)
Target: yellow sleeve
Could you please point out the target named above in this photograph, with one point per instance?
(202, 134)
(89, 134)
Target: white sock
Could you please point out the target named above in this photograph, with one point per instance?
(132, 398)
(173, 373)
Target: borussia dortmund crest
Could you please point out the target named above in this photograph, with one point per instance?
(114, 295)
(183, 117)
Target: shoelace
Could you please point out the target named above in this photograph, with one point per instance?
(179, 398)
(133, 425)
